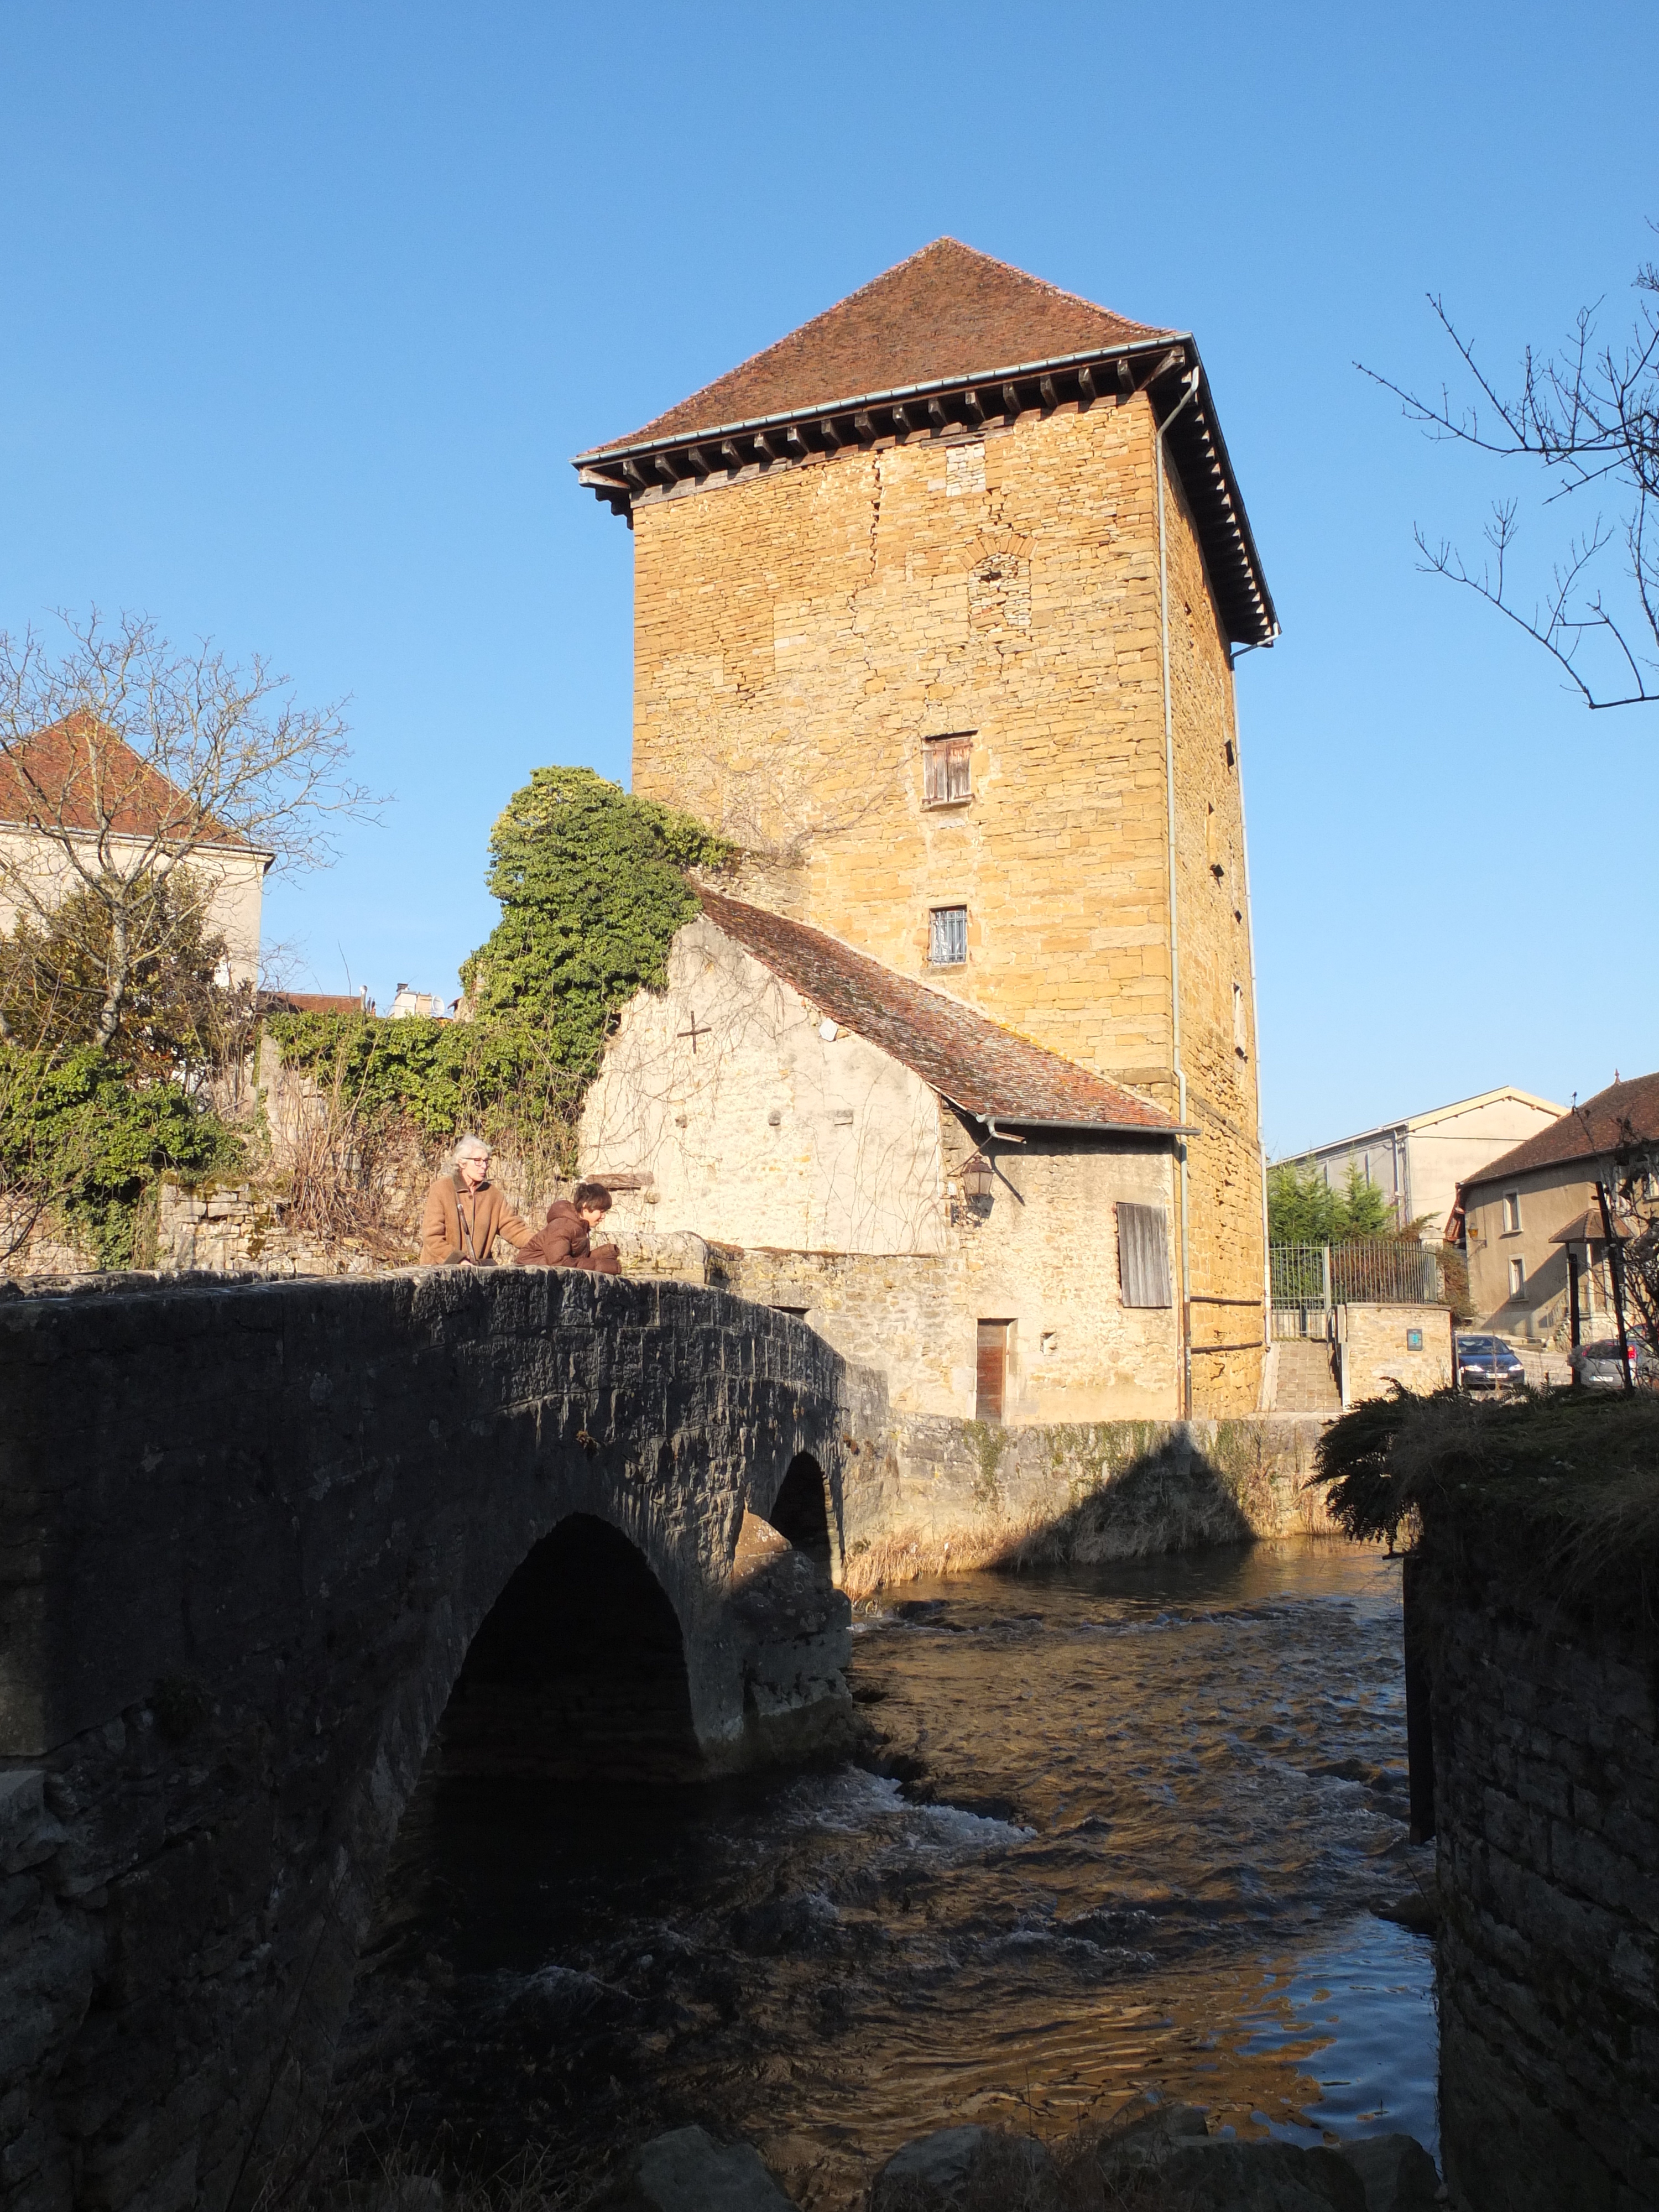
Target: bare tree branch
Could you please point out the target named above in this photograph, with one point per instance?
(123, 761)
(1587, 416)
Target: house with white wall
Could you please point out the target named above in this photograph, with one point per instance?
(1418, 1161)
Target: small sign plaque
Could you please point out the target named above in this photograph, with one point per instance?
(1413, 1339)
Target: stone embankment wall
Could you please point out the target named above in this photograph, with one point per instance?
(1545, 1807)
(248, 1534)
(930, 1495)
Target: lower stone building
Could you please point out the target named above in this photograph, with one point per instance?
(984, 1220)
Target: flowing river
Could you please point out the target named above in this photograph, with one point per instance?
(1122, 1829)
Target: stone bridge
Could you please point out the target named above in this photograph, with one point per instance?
(264, 1549)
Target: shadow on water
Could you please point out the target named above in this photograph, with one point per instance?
(1119, 1827)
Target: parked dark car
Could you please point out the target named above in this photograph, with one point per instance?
(1596, 1365)
(1486, 1362)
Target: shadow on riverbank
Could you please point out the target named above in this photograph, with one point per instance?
(960, 1496)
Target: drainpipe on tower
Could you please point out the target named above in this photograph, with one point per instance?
(1185, 400)
(1256, 1026)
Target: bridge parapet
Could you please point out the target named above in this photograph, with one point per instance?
(248, 1535)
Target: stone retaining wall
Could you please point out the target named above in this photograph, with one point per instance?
(926, 1495)
(1545, 1804)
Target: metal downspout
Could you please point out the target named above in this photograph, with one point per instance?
(1185, 400)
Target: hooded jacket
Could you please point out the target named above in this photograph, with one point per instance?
(565, 1242)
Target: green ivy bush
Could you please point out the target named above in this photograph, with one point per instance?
(592, 888)
(592, 882)
(81, 1139)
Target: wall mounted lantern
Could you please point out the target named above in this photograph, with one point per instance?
(978, 1178)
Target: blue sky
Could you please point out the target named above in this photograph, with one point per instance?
(308, 307)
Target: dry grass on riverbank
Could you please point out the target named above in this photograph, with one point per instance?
(1573, 1475)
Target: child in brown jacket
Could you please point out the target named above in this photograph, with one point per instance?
(565, 1242)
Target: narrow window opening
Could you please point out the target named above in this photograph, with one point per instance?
(1511, 1212)
(1240, 1027)
(946, 771)
(1517, 1279)
(947, 937)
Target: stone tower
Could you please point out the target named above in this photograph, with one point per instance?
(935, 606)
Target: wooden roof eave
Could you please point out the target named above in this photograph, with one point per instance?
(621, 472)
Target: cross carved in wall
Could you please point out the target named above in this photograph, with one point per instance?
(694, 1032)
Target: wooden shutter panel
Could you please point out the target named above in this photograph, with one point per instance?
(991, 1378)
(1143, 1254)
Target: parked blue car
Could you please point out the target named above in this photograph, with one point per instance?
(1486, 1362)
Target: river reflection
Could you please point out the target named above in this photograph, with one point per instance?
(1128, 1830)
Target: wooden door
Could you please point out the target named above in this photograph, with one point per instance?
(992, 1378)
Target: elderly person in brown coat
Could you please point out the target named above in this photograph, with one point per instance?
(466, 1212)
(567, 1241)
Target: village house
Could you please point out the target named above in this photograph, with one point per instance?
(78, 800)
(935, 605)
(1418, 1161)
(987, 1221)
(1531, 1217)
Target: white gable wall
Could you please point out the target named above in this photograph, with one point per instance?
(763, 1131)
(849, 1207)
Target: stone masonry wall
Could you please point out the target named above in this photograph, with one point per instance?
(801, 632)
(938, 1496)
(1227, 1234)
(1546, 1780)
(1041, 1255)
(799, 636)
(1377, 1351)
(248, 1534)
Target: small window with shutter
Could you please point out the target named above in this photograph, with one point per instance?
(945, 771)
(1143, 1254)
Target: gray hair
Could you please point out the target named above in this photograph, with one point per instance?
(471, 1148)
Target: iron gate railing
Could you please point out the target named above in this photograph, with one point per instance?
(1309, 1281)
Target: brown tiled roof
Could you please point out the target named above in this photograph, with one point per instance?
(947, 311)
(79, 775)
(987, 1070)
(314, 1002)
(1586, 1227)
(1599, 1127)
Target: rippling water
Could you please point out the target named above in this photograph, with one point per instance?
(1127, 1832)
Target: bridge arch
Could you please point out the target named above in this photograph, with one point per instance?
(295, 1518)
(578, 1669)
(803, 1513)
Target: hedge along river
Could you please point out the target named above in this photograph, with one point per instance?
(1130, 1832)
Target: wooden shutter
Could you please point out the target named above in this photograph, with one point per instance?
(1143, 1254)
(991, 1380)
(945, 770)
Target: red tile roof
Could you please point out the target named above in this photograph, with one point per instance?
(79, 775)
(314, 1002)
(948, 312)
(987, 1070)
(1600, 1126)
(978, 340)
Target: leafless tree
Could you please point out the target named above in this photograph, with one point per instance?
(1589, 418)
(124, 761)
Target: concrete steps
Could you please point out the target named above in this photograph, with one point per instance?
(1307, 1378)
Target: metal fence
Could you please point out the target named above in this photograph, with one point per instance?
(1309, 1281)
